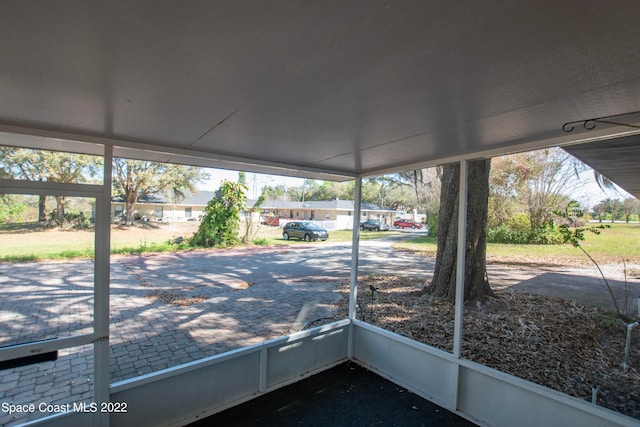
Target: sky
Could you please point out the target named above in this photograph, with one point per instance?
(255, 181)
(587, 192)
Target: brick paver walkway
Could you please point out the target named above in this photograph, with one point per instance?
(150, 330)
(170, 309)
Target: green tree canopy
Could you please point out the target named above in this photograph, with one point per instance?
(48, 166)
(134, 179)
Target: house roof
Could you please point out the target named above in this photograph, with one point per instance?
(200, 198)
(345, 205)
(148, 198)
(329, 90)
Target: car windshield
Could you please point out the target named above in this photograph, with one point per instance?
(311, 226)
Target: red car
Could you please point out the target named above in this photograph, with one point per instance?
(406, 223)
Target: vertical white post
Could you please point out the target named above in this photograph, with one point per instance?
(460, 264)
(355, 252)
(101, 291)
(460, 261)
(262, 381)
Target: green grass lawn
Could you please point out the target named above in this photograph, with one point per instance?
(621, 241)
(30, 242)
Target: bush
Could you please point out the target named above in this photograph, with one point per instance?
(221, 221)
(505, 234)
(11, 211)
(260, 241)
(70, 220)
(432, 224)
(519, 222)
(545, 235)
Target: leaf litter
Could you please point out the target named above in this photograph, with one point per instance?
(559, 344)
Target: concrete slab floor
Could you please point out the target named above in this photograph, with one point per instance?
(346, 395)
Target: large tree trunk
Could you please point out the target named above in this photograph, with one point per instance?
(42, 208)
(476, 284)
(60, 207)
(129, 205)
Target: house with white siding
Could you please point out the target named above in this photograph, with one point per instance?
(155, 207)
(333, 214)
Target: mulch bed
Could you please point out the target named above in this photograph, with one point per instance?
(555, 343)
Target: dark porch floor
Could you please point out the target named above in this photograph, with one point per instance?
(346, 395)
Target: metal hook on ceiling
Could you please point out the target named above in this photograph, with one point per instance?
(590, 124)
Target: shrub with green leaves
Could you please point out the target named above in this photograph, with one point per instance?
(519, 222)
(221, 221)
(432, 224)
(70, 220)
(505, 234)
(547, 234)
(10, 211)
(261, 241)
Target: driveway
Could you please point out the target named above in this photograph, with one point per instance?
(242, 266)
(166, 310)
(169, 309)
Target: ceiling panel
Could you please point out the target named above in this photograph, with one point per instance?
(312, 88)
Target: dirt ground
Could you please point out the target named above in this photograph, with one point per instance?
(25, 237)
(151, 232)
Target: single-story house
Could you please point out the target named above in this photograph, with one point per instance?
(155, 207)
(334, 214)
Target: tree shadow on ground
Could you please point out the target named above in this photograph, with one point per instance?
(22, 227)
(145, 225)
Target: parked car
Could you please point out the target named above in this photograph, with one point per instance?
(406, 223)
(373, 224)
(271, 220)
(304, 230)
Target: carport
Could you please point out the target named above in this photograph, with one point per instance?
(329, 90)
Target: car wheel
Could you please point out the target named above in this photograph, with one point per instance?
(307, 238)
(285, 236)
(376, 229)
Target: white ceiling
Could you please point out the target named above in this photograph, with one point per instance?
(324, 89)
